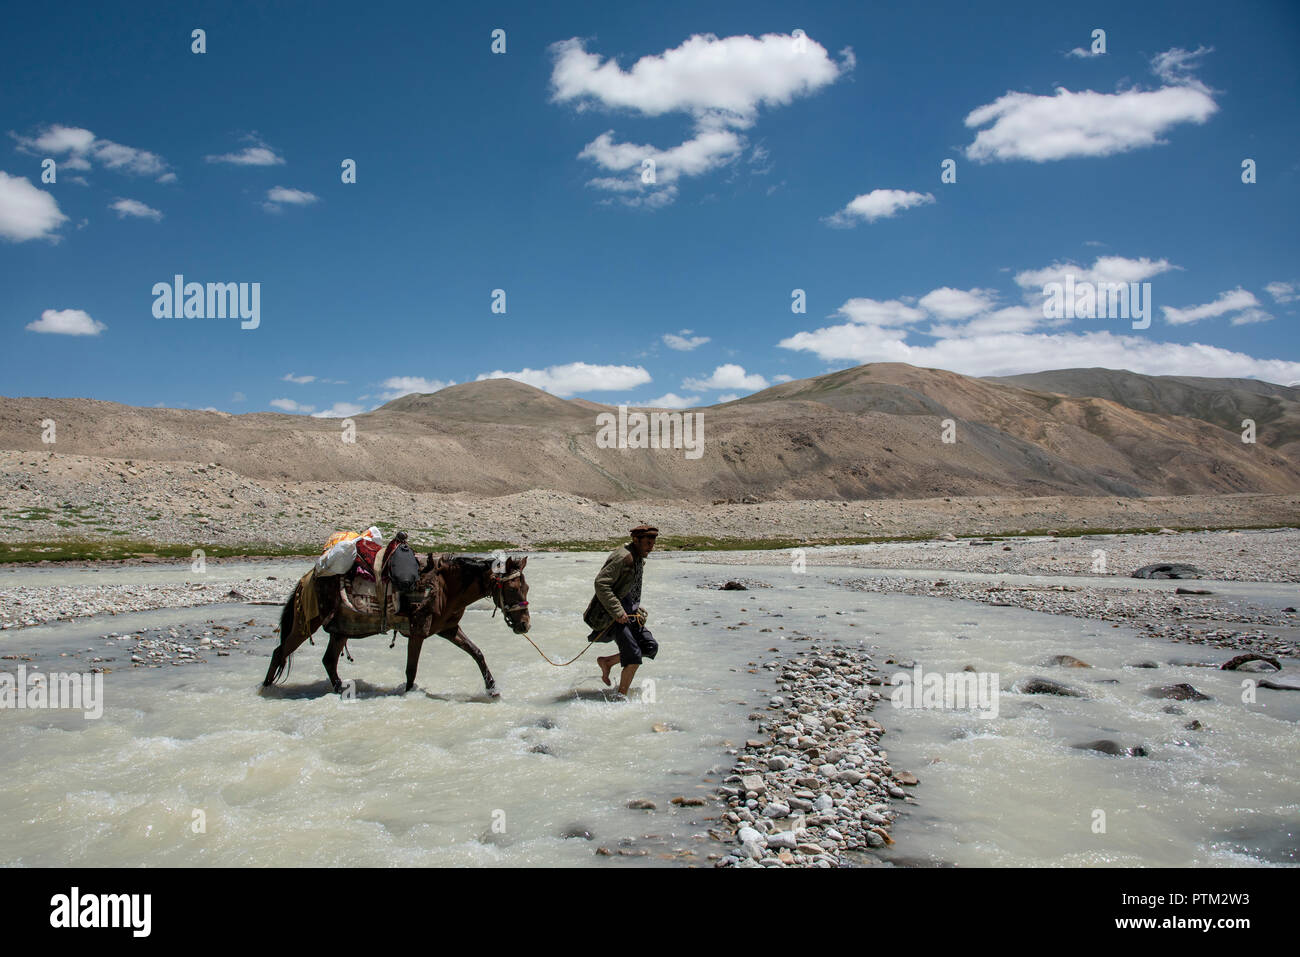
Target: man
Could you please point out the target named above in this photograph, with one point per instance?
(612, 610)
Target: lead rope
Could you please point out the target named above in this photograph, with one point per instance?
(639, 616)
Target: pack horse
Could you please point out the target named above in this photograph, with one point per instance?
(416, 601)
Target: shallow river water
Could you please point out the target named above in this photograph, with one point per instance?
(445, 775)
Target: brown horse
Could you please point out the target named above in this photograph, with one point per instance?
(448, 584)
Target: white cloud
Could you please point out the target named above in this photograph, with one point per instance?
(82, 146)
(1283, 291)
(399, 385)
(289, 405)
(672, 401)
(1105, 269)
(684, 341)
(948, 303)
(721, 84)
(27, 212)
(873, 312)
(728, 376)
(1012, 353)
(1083, 54)
(1250, 316)
(298, 379)
(575, 377)
(877, 204)
(782, 378)
(728, 78)
(1234, 300)
(259, 154)
(1042, 128)
(278, 195)
(67, 322)
(339, 410)
(134, 208)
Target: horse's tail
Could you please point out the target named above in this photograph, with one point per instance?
(281, 658)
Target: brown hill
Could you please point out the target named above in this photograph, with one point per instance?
(868, 432)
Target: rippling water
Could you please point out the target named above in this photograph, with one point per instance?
(296, 776)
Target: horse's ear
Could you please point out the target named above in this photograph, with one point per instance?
(522, 562)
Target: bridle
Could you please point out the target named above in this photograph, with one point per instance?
(497, 588)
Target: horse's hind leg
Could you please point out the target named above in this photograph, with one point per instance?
(289, 642)
(331, 660)
(461, 641)
(413, 645)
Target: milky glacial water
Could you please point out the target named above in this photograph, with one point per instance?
(297, 776)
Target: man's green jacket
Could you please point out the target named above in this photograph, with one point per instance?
(613, 582)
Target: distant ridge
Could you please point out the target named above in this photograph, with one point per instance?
(872, 431)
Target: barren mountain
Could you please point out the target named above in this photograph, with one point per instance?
(1275, 409)
(873, 431)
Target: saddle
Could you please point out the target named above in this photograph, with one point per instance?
(379, 593)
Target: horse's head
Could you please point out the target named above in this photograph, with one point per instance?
(509, 592)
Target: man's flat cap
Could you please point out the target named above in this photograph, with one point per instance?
(644, 530)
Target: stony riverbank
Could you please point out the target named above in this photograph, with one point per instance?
(52, 497)
(813, 787)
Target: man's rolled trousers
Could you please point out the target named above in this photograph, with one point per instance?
(618, 588)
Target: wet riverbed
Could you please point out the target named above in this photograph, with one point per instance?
(445, 775)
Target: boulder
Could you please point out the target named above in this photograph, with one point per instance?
(1045, 686)
(1178, 692)
(1168, 570)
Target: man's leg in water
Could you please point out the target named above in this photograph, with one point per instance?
(625, 679)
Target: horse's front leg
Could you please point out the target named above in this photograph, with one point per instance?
(461, 641)
(331, 660)
(413, 646)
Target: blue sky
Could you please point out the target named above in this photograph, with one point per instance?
(782, 161)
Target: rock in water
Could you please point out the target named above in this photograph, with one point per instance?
(1171, 570)
(1232, 664)
(1068, 661)
(1045, 686)
(1106, 746)
(1179, 692)
(734, 586)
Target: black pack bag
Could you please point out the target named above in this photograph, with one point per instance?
(403, 569)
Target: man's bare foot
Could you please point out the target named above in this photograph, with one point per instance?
(605, 665)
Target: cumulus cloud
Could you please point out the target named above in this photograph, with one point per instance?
(684, 341)
(27, 212)
(974, 334)
(720, 84)
(397, 386)
(672, 401)
(278, 196)
(258, 154)
(878, 204)
(890, 312)
(289, 405)
(67, 322)
(135, 209)
(948, 303)
(339, 410)
(81, 149)
(1234, 300)
(1104, 269)
(728, 376)
(299, 379)
(1041, 128)
(1283, 292)
(575, 377)
(1012, 353)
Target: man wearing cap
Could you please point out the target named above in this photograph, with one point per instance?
(612, 610)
